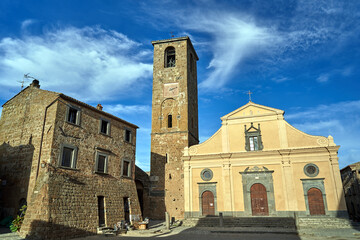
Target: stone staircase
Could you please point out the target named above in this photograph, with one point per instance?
(326, 222)
(242, 222)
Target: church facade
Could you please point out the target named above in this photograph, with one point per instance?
(257, 164)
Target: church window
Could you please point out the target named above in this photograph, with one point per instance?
(253, 138)
(253, 143)
(169, 121)
(206, 174)
(311, 170)
(170, 57)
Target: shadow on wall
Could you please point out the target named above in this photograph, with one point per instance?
(15, 169)
(157, 187)
(351, 196)
(48, 230)
(142, 186)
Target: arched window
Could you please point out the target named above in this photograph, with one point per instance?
(169, 121)
(170, 57)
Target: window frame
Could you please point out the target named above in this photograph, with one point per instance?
(129, 172)
(78, 114)
(106, 162)
(73, 159)
(251, 133)
(131, 135)
(108, 128)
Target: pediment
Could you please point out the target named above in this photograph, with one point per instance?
(252, 110)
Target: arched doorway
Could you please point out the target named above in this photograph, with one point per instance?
(316, 202)
(208, 204)
(259, 203)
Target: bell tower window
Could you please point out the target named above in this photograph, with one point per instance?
(170, 57)
(169, 121)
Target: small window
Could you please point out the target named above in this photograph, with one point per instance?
(101, 162)
(169, 121)
(206, 174)
(128, 135)
(311, 170)
(170, 57)
(68, 156)
(73, 115)
(104, 126)
(126, 168)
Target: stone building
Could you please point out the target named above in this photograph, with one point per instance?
(350, 176)
(73, 164)
(257, 164)
(174, 123)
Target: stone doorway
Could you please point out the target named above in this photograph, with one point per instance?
(208, 204)
(101, 211)
(316, 202)
(259, 203)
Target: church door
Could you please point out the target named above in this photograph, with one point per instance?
(259, 203)
(208, 205)
(316, 202)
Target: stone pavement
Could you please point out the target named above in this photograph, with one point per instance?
(158, 230)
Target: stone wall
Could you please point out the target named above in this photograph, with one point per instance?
(21, 126)
(167, 143)
(63, 201)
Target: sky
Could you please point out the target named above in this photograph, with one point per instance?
(299, 56)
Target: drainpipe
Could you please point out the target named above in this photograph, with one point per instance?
(42, 136)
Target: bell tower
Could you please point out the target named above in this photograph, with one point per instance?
(174, 123)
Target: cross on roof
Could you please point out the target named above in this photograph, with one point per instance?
(249, 95)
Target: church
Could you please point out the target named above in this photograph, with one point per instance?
(256, 164)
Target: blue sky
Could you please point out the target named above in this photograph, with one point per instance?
(298, 56)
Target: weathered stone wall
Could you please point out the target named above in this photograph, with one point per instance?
(21, 127)
(71, 194)
(167, 143)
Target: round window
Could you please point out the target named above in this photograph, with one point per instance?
(206, 174)
(311, 170)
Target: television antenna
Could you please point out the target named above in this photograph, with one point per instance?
(26, 76)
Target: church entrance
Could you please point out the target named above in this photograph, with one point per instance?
(316, 202)
(259, 202)
(208, 206)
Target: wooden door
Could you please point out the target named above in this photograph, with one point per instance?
(208, 204)
(316, 202)
(259, 203)
(101, 211)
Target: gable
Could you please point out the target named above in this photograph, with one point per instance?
(253, 111)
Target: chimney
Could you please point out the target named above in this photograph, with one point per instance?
(35, 83)
(99, 107)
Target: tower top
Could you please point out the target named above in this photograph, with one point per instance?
(176, 40)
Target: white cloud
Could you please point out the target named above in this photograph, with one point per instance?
(120, 109)
(323, 78)
(341, 120)
(234, 37)
(90, 63)
(26, 23)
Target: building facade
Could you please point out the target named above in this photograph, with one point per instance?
(257, 164)
(73, 164)
(174, 123)
(350, 176)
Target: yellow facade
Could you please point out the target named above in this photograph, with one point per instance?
(258, 164)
